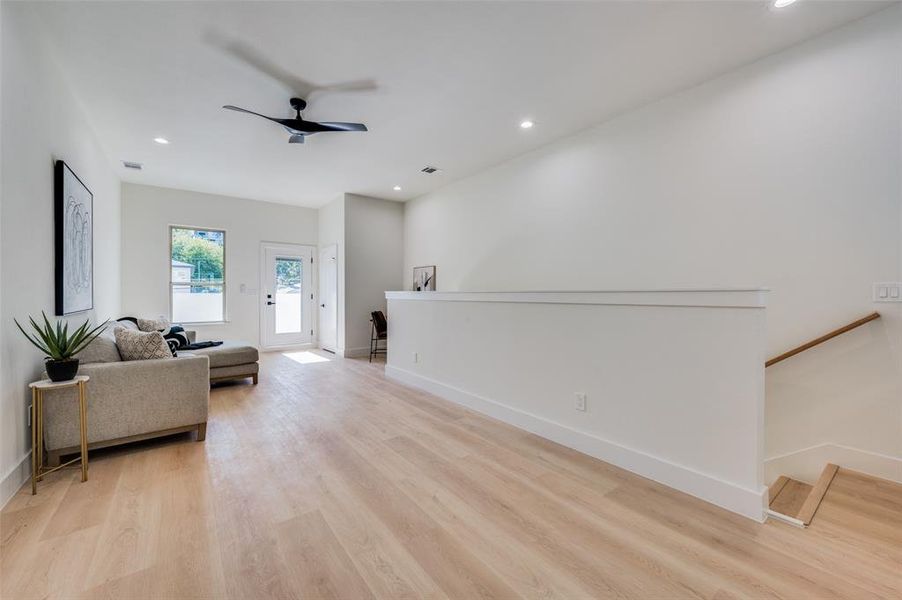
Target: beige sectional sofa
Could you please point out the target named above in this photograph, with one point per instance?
(140, 399)
(128, 400)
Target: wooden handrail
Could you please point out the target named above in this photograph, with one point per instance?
(823, 338)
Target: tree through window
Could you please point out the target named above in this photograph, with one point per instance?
(197, 275)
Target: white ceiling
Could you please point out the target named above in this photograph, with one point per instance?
(453, 80)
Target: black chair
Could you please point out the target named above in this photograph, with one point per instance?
(379, 332)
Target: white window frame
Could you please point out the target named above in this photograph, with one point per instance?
(224, 273)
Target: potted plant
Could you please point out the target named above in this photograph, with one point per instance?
(59, 346)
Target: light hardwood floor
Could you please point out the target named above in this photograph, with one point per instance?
(328, 481)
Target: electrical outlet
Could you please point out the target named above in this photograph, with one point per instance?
(580, 401)
(416, 357)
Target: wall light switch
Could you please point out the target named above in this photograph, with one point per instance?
(888, 291)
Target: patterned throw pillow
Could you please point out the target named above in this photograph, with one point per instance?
(141, 345)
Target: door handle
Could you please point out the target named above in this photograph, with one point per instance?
(268, 303)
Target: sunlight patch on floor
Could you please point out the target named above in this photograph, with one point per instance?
(305, 357)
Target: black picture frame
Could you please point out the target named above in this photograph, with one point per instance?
(73, 225)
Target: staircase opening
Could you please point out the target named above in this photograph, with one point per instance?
(796, 502)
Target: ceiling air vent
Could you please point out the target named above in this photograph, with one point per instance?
(430, 170)
(132, 165)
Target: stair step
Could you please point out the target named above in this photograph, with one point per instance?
(791, 498)
(806, 513)
(775, 488)
(798, 500)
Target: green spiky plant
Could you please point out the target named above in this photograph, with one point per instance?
(56, 342)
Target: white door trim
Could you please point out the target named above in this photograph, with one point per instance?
(290, 249)
(331, 249)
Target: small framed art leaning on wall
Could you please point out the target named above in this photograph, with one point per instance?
(424, 279)
(74, 242)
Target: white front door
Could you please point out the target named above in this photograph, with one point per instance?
(287, 299)
(328, 298)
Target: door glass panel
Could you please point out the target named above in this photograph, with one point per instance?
(289, 275)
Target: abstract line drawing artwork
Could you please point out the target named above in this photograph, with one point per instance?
(74, 242)
(424, 279)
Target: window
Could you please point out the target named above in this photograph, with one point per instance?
(197, 275)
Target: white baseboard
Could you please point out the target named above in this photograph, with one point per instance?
(14, 479)
(288, 347)
(746, 502)
(806, 464)
(356, 352)
(349, 352)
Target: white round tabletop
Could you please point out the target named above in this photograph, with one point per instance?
(46, 384)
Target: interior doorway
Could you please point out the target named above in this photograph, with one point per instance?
(328, 298)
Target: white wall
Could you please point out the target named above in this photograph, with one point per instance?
(783, 174)
(41, 122)
(668, 376)
(374, 247)
(147, 213)
(332, 232)
(369, 233)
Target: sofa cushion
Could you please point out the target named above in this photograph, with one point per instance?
(140, 345)
(101, 349)
(128, 323)
(152, 324)
(228, 354)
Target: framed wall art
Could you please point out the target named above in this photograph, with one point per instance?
(73, 242)
(424, 279)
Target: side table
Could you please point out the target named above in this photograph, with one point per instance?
(37, 426)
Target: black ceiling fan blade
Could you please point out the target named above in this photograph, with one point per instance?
(359, 85)
(298, 128)
(247, 54)
(296, 125)
(335, 126)
(254, 59)
(250, 112)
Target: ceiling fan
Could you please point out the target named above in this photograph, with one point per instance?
(297, 127)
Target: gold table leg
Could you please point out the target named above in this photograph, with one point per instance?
(37, 436)
(83, 420)
(34, 441)
(40, 435)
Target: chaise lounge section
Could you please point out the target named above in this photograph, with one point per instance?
(230, 360)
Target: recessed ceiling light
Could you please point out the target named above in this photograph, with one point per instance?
(161, 140)
(526, 124)
(782, 3)
(397, 188)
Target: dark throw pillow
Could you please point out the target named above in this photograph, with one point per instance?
(176, 337)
